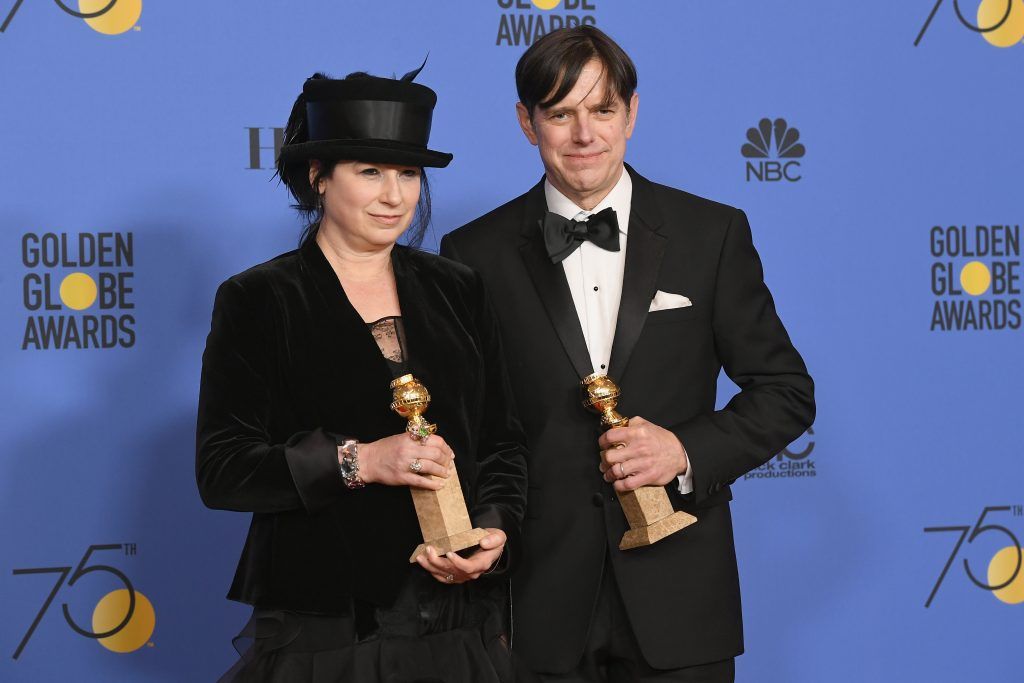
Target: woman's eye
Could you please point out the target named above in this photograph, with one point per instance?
(411, 173)
(370, 172)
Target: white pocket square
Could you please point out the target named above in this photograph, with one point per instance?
(664, 301)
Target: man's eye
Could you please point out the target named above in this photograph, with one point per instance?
(370, 172)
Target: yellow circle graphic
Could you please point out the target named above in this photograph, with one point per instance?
(1000, 569)
(546, 4)
(1011, 31)
(975, 278)
(110, 611)
(120, 18)
(78, 291)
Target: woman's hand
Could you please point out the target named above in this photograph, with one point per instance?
(390, 461)
(452, 568)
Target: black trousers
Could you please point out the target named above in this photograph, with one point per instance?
(612, 654)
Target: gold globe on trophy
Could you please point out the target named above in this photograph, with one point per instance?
(648, 509)
(443, 517)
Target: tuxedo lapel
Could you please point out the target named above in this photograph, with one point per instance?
(645, 247)
(549, 281)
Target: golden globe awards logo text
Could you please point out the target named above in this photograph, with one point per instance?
(78, 290)
(523, 22)
(975, 277)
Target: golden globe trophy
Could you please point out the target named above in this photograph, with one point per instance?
(444, 519)
(648, 509)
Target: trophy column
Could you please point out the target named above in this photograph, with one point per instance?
(648, 509)
(443, 517)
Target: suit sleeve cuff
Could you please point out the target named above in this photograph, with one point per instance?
(313, 461)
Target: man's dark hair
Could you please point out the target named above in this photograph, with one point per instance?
(549, 69)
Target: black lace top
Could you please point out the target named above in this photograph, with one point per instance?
(390, 337)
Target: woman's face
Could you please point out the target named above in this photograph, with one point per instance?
(369, 205)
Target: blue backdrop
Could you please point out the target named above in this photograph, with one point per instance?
(136, 155)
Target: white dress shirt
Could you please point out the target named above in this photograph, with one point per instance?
(595, 277)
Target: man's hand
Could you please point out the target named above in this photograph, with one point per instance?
(642, 454)
(452, 568)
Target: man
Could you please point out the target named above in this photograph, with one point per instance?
(597, 269)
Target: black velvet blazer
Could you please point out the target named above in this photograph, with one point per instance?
(289, 368)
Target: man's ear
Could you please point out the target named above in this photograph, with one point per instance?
(525, 123)
(634, 106)
(314, 168)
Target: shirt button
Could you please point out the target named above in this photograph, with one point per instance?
(595, 288)
(602, 366)
(597, 499)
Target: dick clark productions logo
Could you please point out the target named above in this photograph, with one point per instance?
(70, 276)
(773, 151)
(793, 462)
(109, 17)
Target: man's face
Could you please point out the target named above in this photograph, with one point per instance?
(582, 139)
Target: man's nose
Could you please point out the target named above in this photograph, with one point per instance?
(581, 131)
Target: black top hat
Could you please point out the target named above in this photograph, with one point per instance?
(367, 118)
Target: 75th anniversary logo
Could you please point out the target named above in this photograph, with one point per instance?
(122, 620)
(1000, 22)
(1003, 577)
(103, 16)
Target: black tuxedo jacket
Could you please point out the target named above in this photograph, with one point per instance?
(682, 594)
(290, 367)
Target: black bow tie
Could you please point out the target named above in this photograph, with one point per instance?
(562, 236)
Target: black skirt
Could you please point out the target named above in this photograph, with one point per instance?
(434, 633)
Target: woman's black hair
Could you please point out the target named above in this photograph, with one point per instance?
(295, 176)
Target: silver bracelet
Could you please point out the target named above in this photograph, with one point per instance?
(348, 463)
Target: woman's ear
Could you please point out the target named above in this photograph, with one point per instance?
(314, 169)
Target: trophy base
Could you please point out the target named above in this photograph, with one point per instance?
(453, 543)
(648, 535)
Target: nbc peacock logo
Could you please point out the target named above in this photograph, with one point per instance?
(109, 17)
(776, 147)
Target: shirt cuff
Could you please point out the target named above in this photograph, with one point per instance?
(686, 480)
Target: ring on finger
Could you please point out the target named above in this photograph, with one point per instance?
(449, 578)
(622, 471)
(416, 466)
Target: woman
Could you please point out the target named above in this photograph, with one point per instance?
(295, 427)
